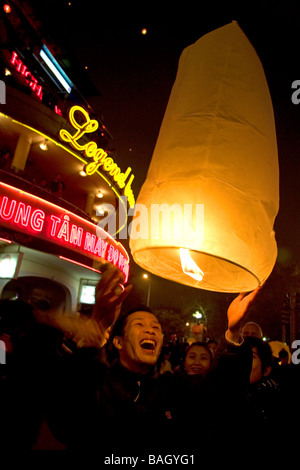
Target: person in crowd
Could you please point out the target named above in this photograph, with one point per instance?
(44, 184)
(283, 357)
(5, 158)
(252, 329)
(30, 350)
(287, 376)
(21, 410)
(213, 346)
(58, 186)
(263, 411)
(198, 359)
(262, 360)
(123, 407)
(164, 364)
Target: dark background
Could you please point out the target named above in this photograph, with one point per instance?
(127, 79)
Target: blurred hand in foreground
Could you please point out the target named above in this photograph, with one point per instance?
(94, 331)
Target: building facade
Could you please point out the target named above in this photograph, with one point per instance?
(64, 197)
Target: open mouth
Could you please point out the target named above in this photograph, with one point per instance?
(148, 344)
(196, 370)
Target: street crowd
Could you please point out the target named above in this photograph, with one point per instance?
(107, 383)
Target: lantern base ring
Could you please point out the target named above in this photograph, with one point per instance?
(220, 274)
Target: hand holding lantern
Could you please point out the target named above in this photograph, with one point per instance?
(237, 313)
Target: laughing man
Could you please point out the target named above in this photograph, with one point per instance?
(125, 409)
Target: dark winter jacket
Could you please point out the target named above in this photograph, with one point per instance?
(110, 409)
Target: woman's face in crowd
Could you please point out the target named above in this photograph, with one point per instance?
(197, 360)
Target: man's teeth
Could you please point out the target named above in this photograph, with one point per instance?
(148, 344)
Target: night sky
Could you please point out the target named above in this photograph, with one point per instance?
(134, 73)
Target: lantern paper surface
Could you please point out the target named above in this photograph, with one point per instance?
(214, 172)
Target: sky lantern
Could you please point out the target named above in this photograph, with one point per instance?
(205, 213)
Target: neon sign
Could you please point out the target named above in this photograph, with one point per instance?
(29, 78)
(99, 156)
(55, 68)
(21, 211)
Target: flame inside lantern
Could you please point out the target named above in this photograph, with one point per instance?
(189, 266)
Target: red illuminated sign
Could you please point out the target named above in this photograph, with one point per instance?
(31, 215)
(24, 72)
(57, 110)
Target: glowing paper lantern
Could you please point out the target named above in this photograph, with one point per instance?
(217, 148)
